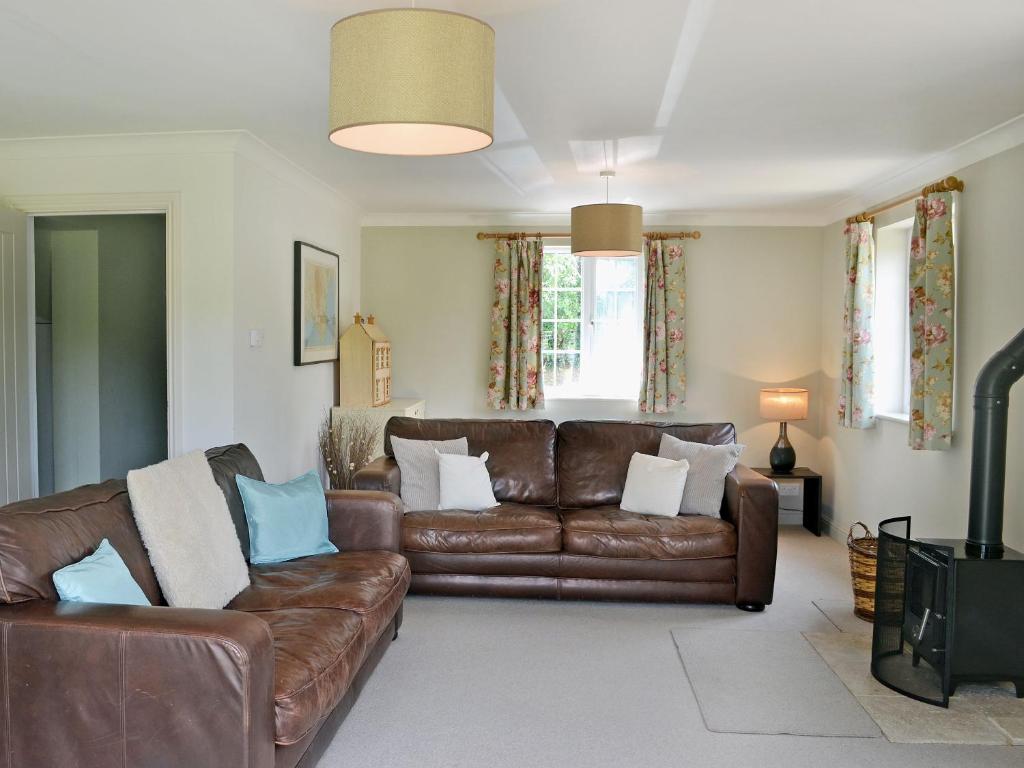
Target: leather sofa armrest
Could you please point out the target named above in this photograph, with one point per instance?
(381, 474)
(752, 505)
(136, 685)
(360, 520)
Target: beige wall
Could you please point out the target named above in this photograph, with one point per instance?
(872, 474)
(752, 319)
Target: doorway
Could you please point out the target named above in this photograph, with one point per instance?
(100, 346)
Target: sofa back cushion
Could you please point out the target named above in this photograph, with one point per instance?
(522, 453)
(226, 462)
(593, 456)
(39, 536)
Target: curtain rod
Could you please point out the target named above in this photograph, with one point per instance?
(694, 235)
(949, 184)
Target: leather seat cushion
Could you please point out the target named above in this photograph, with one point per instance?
(317, 653)
(370, 584)
(611, 532)
(507, 528)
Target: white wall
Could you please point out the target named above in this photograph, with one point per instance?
(230, 186)
(200, 168)
(753, 314)
(278, 406)
(872, 474)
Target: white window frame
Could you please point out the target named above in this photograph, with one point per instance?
(586, 391)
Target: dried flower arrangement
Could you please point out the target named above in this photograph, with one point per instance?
(347, 445)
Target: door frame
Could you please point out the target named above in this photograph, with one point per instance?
(166, 203)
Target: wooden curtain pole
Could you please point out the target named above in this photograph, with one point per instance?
(694, 235)
(948, 184)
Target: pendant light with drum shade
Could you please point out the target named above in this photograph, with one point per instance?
(412, 81)
(607, 229)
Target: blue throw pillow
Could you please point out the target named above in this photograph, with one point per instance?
(102, 577)
(286, 521)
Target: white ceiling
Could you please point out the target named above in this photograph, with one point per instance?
(701, 105)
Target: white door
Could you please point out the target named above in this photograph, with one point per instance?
(15, 396)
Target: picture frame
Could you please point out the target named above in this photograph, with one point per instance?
(317, 288)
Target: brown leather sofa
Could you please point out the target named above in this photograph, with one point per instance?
(262, 684)
(559, 532)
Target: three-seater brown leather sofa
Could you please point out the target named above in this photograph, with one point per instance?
(559, 532)
(262, 684)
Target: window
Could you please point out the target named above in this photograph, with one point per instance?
(891, 333)
(592, 325)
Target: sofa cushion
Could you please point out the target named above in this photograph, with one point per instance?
(317, 653)
(593, 456)
(38, 536)
(610, 532)
(506, 528)
(370, 584)
(522, 453)
(226, 462)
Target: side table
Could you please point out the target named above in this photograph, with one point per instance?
(812, 493)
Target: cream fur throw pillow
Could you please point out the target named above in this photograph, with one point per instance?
(187, 529)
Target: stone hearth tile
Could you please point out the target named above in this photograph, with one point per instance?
(842, 647)
(912, 722)
(994, 700)
(840, 613)
(1013, 727)
(856, 675)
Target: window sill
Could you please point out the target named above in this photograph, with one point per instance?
(898, 418)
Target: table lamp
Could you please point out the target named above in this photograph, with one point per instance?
(783, 404)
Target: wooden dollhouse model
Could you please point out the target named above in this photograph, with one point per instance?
(365, 360)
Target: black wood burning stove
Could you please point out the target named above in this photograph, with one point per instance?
(952, 610)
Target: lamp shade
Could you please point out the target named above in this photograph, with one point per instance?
(412, 81)
(607, 229)
(784, 404)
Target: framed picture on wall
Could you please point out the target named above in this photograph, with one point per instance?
(317, 284)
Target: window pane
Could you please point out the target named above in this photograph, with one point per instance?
(569, 273)
(549, 270)
(568, 336)
(567, 369)
(547, 305)
(548, 363)
(547, 333)
(569, 305)
(626, 305)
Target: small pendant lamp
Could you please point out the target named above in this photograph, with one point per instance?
(412, 81)
(607, 229)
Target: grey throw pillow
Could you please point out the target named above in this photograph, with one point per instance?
(421, 478)
(709, 464)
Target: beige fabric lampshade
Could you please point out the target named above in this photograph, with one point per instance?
(784, 404)
(607, 229)
(412, 81)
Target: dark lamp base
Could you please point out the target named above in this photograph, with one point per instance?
(782, 457)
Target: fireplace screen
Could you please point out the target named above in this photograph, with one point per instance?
(911, 633)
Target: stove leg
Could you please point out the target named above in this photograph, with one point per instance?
(1018, 686)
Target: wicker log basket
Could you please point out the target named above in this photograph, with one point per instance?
(863, 563)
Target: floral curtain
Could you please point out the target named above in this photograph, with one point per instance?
(515, 381)
(857, 376)
(664, 382)
(932, 283)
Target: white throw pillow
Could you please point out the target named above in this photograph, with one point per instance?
(709, 464)
(654, 486)
(417, 460)
(465, 483)
(186, 527)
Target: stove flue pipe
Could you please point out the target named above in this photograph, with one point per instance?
(988, 448)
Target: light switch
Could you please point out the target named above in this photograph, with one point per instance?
(255, 338)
